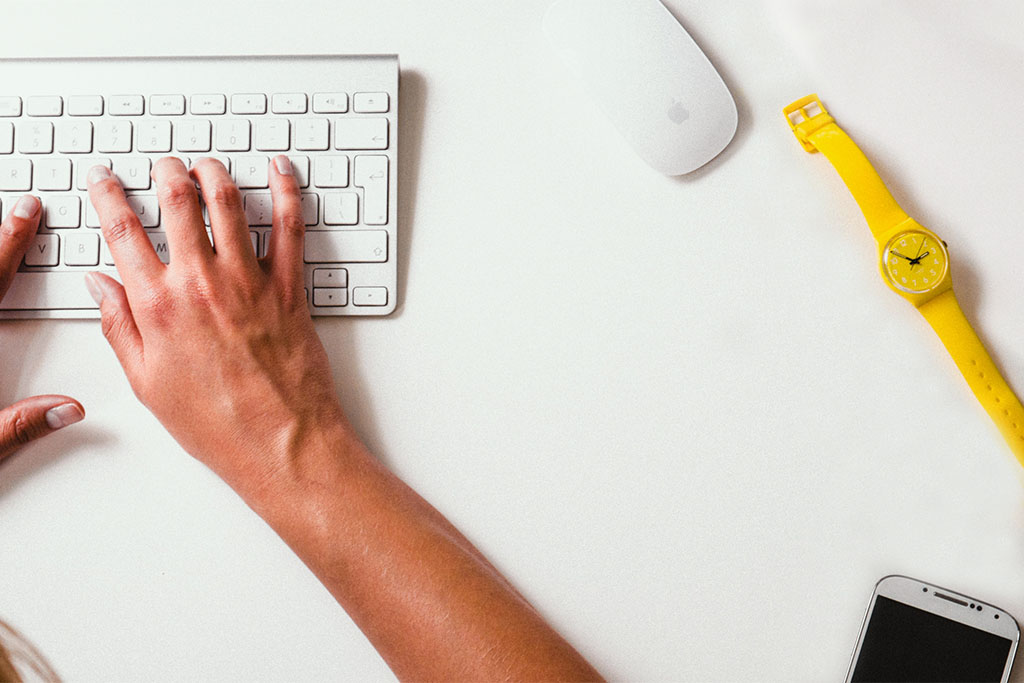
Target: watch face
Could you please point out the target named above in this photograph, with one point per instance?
(915, 261)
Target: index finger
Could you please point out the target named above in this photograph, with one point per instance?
(15, 236)
(136, 260)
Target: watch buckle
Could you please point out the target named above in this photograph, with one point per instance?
(805, 116)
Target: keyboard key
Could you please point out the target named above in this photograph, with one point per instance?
(92, 219)
(84, 165)
(15, 175)
(133, 172)
(289, 103)
(361, 133)
(329, 296)
(330, 277)
(341, 208)
(370, 102)
(233, 135)
(159, 240)
(147, 208)
(272, 135)
(126, 105)
(166, 105)
(62, 211)
(251, 171)
(208, 104)
(312, 134)
(346, 246)
(82, 249)
(310, 208)
(371, 173)
(254, 237)
(250, 103)
(192, 135)
(259, 209)
(154, 136)
(300, 169)
(53, 174)
(113, 136)
(74, 137)
(6, 137)
(108, 258)
(44, 105)
(370, 296)
(44, 251)
(85, 105)
(10, 106)
(331, 171)
(35, 137)
(330, 103)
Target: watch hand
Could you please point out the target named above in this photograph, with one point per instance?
(896, 253)
(916, 261)
(921, 246)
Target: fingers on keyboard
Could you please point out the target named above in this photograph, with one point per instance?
(223, 201)
(289, 226)
(183, 219)
(123, 232)
(16, 235)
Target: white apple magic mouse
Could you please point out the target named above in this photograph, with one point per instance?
(650, 78)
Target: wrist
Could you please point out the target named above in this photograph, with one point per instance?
(302, 459)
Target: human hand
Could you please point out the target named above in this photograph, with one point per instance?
(218, 344)
(38, 416)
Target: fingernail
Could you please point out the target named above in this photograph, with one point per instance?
(62, 416)
(95, 291)
(98, 174)
(26, 207)
(283, 164)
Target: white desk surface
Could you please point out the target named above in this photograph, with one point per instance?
(635, 393)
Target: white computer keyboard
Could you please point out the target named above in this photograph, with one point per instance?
(336, 117)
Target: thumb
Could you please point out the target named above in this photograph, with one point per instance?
(35, 417)
(117, 322)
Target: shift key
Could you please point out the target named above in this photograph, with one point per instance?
(346, 246)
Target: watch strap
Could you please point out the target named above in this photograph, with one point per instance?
(946, 317)
(817, 131)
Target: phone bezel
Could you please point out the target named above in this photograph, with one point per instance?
(922, 595)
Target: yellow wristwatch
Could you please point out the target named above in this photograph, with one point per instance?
(914, 263)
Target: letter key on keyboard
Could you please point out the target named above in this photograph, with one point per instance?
(335, 117)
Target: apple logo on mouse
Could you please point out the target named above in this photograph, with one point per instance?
(677, 112)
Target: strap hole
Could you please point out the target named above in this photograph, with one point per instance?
(989, 387)
(974, 362)
(997, 400)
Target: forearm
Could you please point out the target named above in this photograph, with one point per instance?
(425, 597)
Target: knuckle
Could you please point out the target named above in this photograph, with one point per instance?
(121, 226)
(22, 429)
(290, 222)
(112, 325)
(16, 430)
(226, 196)
(176, 194)
(159, 307)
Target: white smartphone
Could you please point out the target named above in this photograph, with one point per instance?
(914, 631)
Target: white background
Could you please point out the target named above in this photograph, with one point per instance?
(684, 415)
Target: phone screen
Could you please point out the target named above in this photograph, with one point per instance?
(904, 643)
